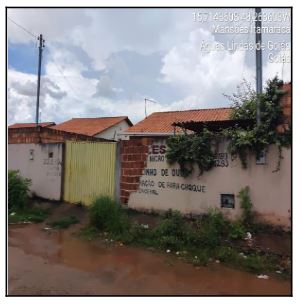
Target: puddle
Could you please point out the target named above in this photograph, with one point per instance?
(57, 262)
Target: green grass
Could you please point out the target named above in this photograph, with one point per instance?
(31, 214)
(200, 240)
(89, 233)
(64, 223)
(107, 215)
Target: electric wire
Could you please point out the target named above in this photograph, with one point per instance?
(56, 65)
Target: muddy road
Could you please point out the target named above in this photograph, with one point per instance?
(42, 262)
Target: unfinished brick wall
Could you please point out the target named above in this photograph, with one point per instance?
(286, 102)
(37, 135)
(134, 154)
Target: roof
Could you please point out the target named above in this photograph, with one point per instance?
(90, 126)
(162, 122)
(31, 125)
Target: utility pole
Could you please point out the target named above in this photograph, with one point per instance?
(41, 46)
(258, 60)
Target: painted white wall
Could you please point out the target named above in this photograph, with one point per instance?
(270, 191)
(33, 161)
(112, 133)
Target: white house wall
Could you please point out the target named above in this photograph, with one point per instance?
(42, 163)
(112, 133)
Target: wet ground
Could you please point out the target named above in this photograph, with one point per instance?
(58, 262)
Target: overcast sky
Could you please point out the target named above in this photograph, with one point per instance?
(104, 62)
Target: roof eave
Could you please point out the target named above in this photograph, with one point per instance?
(146, 133)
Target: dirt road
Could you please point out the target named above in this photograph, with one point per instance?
(60, 263)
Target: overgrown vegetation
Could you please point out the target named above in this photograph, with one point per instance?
(253, 138)
(189, 149)
(198, 240)
(18, 188)
(106, 215)
(246, 205)
(64, 222)
(30, 213)
(20, 208)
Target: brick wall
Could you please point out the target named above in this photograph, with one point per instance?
(133, 160)
(286, 102)
(37, 135)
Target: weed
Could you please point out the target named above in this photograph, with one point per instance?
(173, 232)
(106, 215)
(31, 214)
(211, 228)
(64, 222)
(246, 205)
(236, 230)
(227, 254)
(89, 232)
(18, 188)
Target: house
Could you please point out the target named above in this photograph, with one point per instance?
(100, 127)
(38, 153)
(161, 124)
(149, 182)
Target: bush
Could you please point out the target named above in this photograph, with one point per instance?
(237, 230)
(227, 254)
(106, 215)
(211, 228)
(173, 232)
(18, 188)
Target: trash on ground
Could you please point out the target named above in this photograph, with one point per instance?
(261, 276)
(145, 226)
(248, 236)
(47, 228)
(243, 255)
(278, 272)
(217, 261)
(13, 213)
(177, 253)
(168, 251)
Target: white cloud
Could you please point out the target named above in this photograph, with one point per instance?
(22, 89)
(206, 76)
(81, 40)
(279, 67)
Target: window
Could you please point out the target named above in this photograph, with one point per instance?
(227, 201)
(50, 154)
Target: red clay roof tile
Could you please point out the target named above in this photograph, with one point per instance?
(161, 122)
(90, 126)
(30, 125)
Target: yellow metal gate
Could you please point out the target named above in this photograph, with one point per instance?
(90, 171)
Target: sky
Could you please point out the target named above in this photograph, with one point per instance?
(105, 62)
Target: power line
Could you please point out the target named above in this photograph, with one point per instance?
(56, 65)
(21, 27)
(66, 79)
